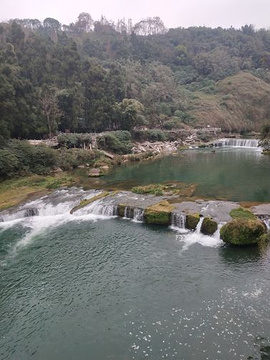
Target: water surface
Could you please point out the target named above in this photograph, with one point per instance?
(228, 173)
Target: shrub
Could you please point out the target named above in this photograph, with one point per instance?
(118, 142)
(150, 135)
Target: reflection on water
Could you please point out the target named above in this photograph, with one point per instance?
(228, 174)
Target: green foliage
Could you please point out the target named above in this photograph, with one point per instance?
(155, 189)
(74, 140)
(69, 159)
(100, 76)
(150, 135)
(242, 213)
(118, 142)
(19, 158)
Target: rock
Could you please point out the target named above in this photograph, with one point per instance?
(159, 214)
(94, 172)
(209, 226)
(192, 221)
(242, 231)
(105, 168)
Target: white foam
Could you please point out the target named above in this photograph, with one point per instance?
(197, 238)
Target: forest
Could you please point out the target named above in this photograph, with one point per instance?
(95, 76)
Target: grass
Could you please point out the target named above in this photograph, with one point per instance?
(15, 191)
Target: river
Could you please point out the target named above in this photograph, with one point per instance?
(87, 286)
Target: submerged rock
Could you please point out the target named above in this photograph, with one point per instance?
(192, 221)
(209, 226)
(243, 231)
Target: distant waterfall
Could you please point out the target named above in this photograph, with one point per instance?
(241, 143)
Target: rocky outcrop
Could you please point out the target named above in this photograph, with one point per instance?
(192, 221)
(209, 226)
(159, 214)
(243, 231)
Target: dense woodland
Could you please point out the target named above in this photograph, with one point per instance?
(93, 76)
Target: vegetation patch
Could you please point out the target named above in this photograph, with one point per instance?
(170, 188)
(13, 192)
(241, 213)
(159, 214)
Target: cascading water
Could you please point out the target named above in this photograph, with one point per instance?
(178, 221)
(99, 207)
(129, 212)
(196, 237)
(138, 215)
(242, 143)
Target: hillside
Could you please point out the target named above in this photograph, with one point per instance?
(240, 102)
(94, 76)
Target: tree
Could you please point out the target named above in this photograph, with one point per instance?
(85, 23)
(50, 109)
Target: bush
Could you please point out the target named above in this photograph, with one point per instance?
(9, 164)
(74, 140)
(19, 158)
(118, 142)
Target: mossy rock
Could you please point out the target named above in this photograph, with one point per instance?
(192, 221)
(209, 226)
(243, 231)
(159, 214)
(121, 210)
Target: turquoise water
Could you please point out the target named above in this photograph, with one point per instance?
(229, 173)
(85, 286)
(92, 288)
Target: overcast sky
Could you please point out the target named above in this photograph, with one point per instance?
(174, 13)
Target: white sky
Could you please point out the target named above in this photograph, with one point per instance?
(174, 13)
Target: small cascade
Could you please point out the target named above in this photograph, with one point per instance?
(129, 212)
(267, 223)
(138, 215)
(178, 221)
(199, 225)
(100, 208)
(240, 143)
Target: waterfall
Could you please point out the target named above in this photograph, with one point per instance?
(129, 212)
(178, 221)
(98, 207)
(267, 223)
(242, 143)
(199, 225)
(138, 215)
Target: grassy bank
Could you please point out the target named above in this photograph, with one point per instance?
(16, 191)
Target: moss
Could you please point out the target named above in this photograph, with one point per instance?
(241, 213)
(155, 189)
(209, 226)
(159, 214)
(169, 188)
(192, 221)
(86, 202)
(242, 231)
